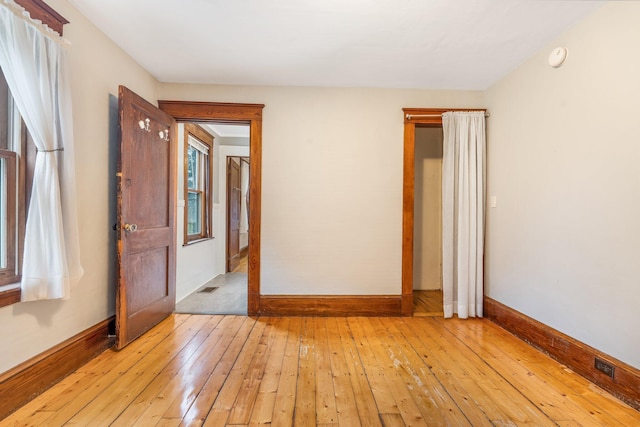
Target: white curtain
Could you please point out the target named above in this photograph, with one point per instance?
(33, 59)
(463, 171)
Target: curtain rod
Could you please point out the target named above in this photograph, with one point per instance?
(410, 116)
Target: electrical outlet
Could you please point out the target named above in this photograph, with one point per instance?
(605, 367)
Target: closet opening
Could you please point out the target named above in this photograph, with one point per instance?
(422, 260)
(427, 230)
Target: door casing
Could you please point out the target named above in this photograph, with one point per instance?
(428, 117)
(249, 114)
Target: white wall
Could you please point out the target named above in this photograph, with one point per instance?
(196, 262)
(331, 182)
(97, 68)
(563, 161)
(427, 228)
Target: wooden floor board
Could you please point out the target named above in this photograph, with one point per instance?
(386, 358)
(385, 400)
(151, 403)
(326, 410)
(167, 356)
(435, 401)
(305, 402)
(266, 396)
(571, 398)
(364, 400)
(428, 303)
(86, 384)
(344, 390)
(340, 371)
(201, 406)
(485, 386)
(283, 406)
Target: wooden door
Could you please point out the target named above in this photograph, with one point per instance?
(234, 199)
(146, 211)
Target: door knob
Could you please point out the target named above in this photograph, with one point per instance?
(130, 227)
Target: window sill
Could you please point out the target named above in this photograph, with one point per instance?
(204, 239)
(9, 296)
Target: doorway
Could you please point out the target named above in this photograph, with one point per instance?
(208, 280)
(250, 115)
(427, 250)
(237, 230)
(413, 118)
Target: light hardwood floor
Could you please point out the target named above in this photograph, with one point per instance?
(427, 303)
(243, 265)
(239, 371)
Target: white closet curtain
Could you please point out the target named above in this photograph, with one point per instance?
(33, 59)
(463, 170)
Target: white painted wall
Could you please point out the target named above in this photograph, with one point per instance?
(331, 182)
(97, 68)
(195, 262)
(563, 153)
(427, 228)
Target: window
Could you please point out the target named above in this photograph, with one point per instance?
(8, 259)
(17, 155)
(198, 156)
(17, 161)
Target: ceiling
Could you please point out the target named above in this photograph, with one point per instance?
(431, 44)
(229, 130)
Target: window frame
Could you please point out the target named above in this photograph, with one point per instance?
(198, 133)
(10, 293)
(18, 177)
(10, 274)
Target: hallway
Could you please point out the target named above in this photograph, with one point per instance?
(224, 294)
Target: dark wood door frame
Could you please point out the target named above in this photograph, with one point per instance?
(232, 255)
(250, 114)
(421, 117)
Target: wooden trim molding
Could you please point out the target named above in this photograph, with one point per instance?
(10, 296)
(250, 114)
(41, 11)
(212, 111)
(201, 135)
(577, 355)
(330, 305)
(29, 379)
(431, 117)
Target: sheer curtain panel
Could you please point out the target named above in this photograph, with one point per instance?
(463, 171)
(33, 59)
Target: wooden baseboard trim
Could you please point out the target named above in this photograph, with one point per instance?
(576, 355)
(330, 305)
(27, 380)
(12, 296)
(244, 251)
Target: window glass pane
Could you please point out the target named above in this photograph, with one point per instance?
(204, 170)
(192, 168)
(194, 215)
(5, 105)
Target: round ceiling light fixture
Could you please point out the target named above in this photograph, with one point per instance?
(558, 56)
